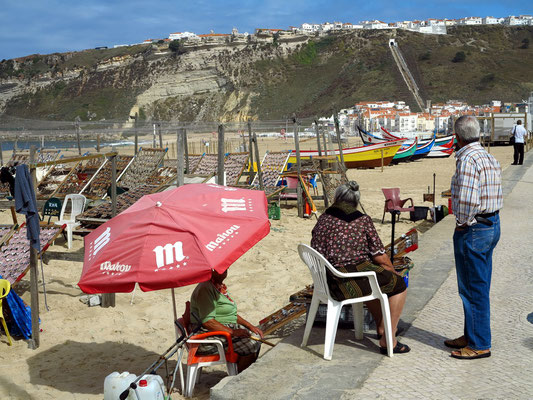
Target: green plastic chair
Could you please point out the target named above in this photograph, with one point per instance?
(52, 208)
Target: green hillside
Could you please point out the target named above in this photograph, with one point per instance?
(473, 64)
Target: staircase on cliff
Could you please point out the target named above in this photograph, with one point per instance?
(406, 74)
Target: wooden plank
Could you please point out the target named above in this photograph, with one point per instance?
(66, 160)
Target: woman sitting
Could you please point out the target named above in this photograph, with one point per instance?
(348, 239)
(218, 312)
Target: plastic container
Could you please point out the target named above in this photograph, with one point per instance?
(115, 383)
(419, 213)
(450, 211)
(274, 211)
(150, 387)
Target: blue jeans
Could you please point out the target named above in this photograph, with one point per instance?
(473, 247)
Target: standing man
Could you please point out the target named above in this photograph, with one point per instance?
(519, 133)
(476, 201)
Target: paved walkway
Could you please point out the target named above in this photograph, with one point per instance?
(433, 313)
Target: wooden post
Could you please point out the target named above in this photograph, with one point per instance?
(243, 142)
(160, 136)
(1, 154)
(34, 272)
(381, 160)
(98, 143)
(259, 172)
(78, 134)
(108, 299)
(251, 150)
(136, 134)
(220, 156)
(186, 149)
(153, 137)
(338, 132)
(298, 168)
(180, 144)
(324, 134)
(317, 133)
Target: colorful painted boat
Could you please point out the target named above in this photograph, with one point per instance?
(360, 157)
(442, 150)
(405, 153)
(422, 150)
(369, 138)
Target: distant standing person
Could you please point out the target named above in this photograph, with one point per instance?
(519, 133)
(476, 201)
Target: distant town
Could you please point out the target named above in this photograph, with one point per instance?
(429, 26)
(396, 116)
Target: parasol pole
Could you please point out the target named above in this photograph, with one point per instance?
(180, 149)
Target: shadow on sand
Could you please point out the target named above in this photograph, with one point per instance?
(76, 367)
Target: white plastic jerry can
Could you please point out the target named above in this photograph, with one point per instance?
(149, 387)
(115, 383)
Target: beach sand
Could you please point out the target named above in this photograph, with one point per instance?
(81, 345)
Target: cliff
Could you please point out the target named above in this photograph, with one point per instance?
(240, 80)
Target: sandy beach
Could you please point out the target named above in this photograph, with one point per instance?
(81, 345)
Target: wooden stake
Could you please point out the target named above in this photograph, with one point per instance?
(186, 149)
(381, 160)
(1, 154)
(78, 135)
(317, 133)
(299, 196)
(108, 299)
(220, 158)
(136, 134)
(180, 144)
(160, 136)
(98, 143)
(259, 172)
(338, 132)
(251, 150)
(34, 272)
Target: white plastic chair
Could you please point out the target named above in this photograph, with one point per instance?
(77, 207)
(196, 362)
(317, 265)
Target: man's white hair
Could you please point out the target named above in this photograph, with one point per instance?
(467, 129)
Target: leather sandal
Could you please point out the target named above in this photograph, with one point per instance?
(466, 353)
(398, 349)
(458, 343)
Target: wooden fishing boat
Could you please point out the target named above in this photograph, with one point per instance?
(442, 149)
(405, 153)
(422, 150)
(369, 138)
(360, 157)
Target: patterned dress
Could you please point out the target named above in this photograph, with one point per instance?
(348, 240)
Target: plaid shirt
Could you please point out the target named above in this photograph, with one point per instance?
(476, 185)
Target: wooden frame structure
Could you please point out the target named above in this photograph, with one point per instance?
(13, 266)
(141, 167)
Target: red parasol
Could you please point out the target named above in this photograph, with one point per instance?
(173, 238)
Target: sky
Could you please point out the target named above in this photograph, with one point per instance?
(50, 26)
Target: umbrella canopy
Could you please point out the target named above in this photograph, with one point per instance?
(173, 238)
